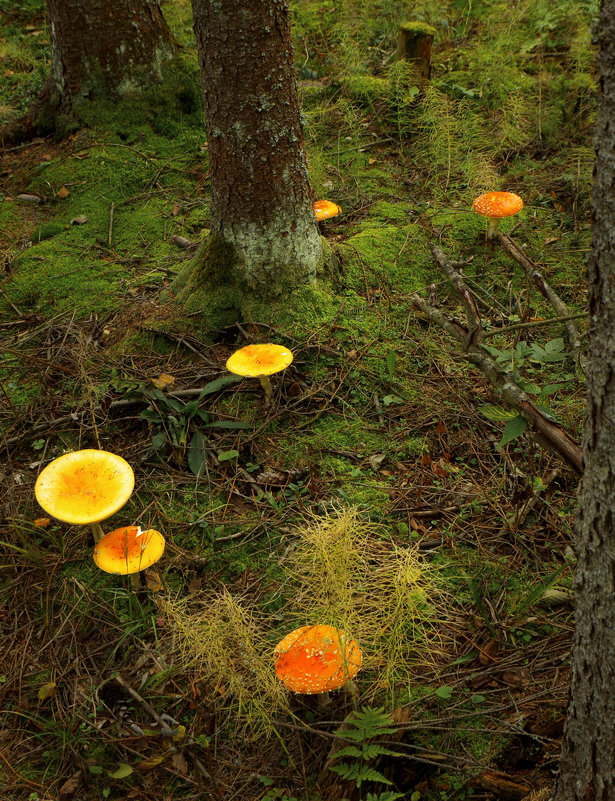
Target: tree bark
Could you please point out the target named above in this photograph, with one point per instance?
(264, 237)
(99, 49)
(414, 43)
(109, 48)
(587, 765)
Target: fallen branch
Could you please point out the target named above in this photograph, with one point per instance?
(547, 291)
(547, 431)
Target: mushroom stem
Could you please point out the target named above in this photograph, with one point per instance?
(97, 531)
(494, 223)
(135, 581)
(266, 385)
(323, 700)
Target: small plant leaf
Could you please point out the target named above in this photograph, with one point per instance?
(197, 453)
(122, 772)
(444, 692)
(230, 425)
(349, 750)
(496, 412)
(48, 690)
(218, 384)
(226, 456)
(513, 429)
(389, 399)
(391, 361)
(554, 346)
(158, 441)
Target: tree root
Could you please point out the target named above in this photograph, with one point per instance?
(37, 121)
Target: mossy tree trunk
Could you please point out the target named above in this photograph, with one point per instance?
(587, 765)
(264, 238)
(99, 49)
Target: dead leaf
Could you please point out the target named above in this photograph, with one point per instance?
(376, 459)
(417, 526)
(294, 390)
(519, 677)
(439, 468)
(42, 522)
(179, 763)
(372, 161)
(62, 193)
(163, 381)
(48, 690)
(551, 240)
(488, 652)
(153, 581)
(8, 73)
(176, 209)
(80, 220)
(70, 786)
(150, 762)
(195, 585)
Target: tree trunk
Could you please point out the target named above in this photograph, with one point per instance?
(105, 48)
(99, 49)
(264, 238)
(587, 765)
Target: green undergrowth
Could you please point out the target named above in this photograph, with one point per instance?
(338, 572)
(379, 413)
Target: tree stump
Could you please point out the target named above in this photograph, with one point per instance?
(414, 42)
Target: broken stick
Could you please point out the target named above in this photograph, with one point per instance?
(547, 291)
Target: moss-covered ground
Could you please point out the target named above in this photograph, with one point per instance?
(378, 423)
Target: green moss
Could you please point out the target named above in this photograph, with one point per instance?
(418, 28)
(392, 258)
(366, 87)
(166, 107)
(47, 231)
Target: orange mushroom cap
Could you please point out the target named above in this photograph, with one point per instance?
(316, 659)
(254, 361)
(323, 209)
(85, 486)
(498, 204)
(128, 550)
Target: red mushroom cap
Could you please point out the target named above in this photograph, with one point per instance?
(316, 659)
(498, 204)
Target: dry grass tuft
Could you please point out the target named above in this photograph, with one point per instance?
(383, 595)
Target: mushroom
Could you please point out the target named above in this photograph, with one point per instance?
(128, 550)
(323, 209)
(316, 659)
(85, 487)
(260, 361)
(496, 205)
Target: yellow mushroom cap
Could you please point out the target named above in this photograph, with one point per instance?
(323, 209)
(316, 659)
(254, 361)
(85, 486)
(498, 204)
(128, 550)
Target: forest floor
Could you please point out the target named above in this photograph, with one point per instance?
(378, 492)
